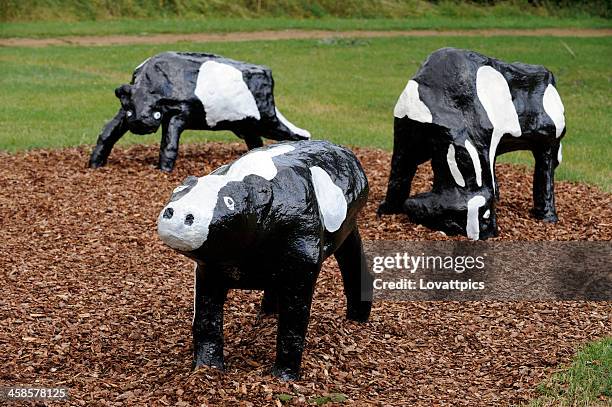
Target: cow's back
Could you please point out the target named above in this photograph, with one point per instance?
(339, 163)
(174, 75)
(447, 86)
(322, 187)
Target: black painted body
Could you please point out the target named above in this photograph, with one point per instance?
(447, 85)
(165, 83)
(274, 239)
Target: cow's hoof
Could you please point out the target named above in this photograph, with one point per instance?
(166, 168)
(197, 363)
(359, 313)
(285, 374)
(545, 216)
(387, 209)
(208, 355)
(96, 164)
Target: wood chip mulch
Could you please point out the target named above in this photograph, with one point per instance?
(91, 299)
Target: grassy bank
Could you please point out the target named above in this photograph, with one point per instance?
(178, 26)
(586, 382)
(38, 18)
(75, 10)
(343, 90)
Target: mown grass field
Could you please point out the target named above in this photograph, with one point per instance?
(342, 90)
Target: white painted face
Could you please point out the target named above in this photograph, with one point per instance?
(183, 224)
(223, 93)
(473, 225)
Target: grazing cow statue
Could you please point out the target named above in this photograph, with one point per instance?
(180, 91)
(268, 221)
(461, 110)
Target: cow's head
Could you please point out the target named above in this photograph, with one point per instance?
(213, 216)
(142, 108)
(221, 215)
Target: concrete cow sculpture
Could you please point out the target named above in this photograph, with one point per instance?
(180, 91)
(268, 221)
(461, 110)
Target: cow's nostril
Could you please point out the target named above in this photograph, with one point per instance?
(168, 213)
(189, 220)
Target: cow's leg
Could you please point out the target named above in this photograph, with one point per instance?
(253, 141)
(209, 297)
(293, 315)
(408, 153)
(269, 302)
(112, 131)
(355, 277)
(543, 183)
(168, 149)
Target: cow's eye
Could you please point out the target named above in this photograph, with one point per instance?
(129, 113)
(156, 115)
(229, 202)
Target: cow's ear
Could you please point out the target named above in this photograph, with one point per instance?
(260, 195)
(124, 92)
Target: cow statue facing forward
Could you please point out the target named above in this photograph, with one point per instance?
(461, 110)
(180, 91)
(267, 221)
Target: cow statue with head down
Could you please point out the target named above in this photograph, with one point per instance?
(461, 110)
(180, 91)
(267, 221)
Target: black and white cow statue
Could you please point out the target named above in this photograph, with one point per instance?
(180, 91)
(461, 110)
(267, 221)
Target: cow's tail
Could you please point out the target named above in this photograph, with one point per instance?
(288, 130)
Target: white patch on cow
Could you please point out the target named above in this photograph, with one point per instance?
(560, 153)
(291, 126)
(486, 214)
(494, 95)
(224, 94)
(331, 200)
(195, 271)
(452, 165)
(554, 108)
(473, 225)
(201, 200)
(475, 161)
(410, 104)
(141, 64)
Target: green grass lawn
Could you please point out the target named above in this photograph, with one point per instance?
(341, 90)
(586, 382)
(177, 25)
